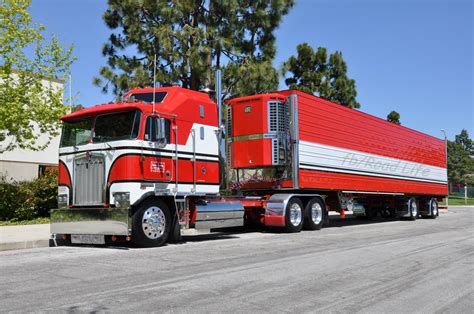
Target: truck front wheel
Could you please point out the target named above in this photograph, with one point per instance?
(294, 215)
(151, 224)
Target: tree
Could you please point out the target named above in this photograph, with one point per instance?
(464, 140)
(313, 72)
(190, 40)
(29, 106)
(77, 107)
(460, 160)
(394, 117)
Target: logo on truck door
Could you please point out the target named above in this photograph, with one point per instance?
(157, 166)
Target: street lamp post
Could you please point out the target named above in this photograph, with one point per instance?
(446, 148)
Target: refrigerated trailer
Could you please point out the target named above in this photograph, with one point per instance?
(152, 167)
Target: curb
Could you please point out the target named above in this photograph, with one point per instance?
(24, 245)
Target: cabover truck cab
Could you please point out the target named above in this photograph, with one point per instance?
(150, 171)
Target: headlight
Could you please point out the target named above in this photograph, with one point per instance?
(122, 199)
(62, 200)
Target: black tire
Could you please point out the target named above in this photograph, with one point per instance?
(293, 216)
(146, 233)
(413, 209)
(314, 214)
(175, 234)
(434, 209)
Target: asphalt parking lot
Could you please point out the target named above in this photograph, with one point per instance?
(351, 266)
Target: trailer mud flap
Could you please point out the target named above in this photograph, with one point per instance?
(212, 215)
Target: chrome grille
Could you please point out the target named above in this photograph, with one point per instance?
(278, 128)
(277, 117)
(275, 151)
(89, 180)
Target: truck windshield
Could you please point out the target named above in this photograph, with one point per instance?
(76, 132)
(116, 126)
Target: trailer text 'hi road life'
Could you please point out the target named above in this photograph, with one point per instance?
(153, 167)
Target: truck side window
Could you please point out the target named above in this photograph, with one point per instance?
(151, 126)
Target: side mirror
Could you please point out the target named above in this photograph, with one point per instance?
(160, 135)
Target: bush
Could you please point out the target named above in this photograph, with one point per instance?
(28, 200)
(45, 193)
(10, 199)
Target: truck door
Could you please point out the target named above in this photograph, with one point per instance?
(158, 164)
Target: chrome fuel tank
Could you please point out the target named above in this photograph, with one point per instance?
(219, 214)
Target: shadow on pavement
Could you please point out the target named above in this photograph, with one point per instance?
(229, 233)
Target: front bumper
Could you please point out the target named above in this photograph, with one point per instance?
(106, 221)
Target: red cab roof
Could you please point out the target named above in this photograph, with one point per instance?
(176, 97)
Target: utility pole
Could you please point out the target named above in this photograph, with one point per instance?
(446, 148)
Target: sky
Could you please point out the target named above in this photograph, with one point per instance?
(412, 56)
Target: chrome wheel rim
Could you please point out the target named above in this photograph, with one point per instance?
(414, 209)
(153, 222)
(316, 213)
(296, 214)
(434, 209)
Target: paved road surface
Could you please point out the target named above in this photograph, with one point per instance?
(384, 266)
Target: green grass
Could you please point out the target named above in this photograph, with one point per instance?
(457, 201)
(35, 221)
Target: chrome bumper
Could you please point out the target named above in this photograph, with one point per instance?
(106, 221)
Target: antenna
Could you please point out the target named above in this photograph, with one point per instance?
(154, 83)
(219, 96)
(70, 92)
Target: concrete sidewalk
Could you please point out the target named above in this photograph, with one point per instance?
(24, 237)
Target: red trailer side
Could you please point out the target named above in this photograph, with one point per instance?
(346, 149)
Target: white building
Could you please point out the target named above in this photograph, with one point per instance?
(21, 164)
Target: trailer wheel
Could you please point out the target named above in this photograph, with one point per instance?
(151, 224)
(294, 215)
(314, 214)
(434, 210)
(413, 209)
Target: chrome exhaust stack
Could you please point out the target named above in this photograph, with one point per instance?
(221, 132)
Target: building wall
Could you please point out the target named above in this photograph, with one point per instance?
(19, 171)
(48, 156)
(22, 164)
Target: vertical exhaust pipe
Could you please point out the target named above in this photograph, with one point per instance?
(221, 128)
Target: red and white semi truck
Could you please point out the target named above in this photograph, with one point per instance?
(152, 166)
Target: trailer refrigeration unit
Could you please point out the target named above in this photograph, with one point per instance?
(148, 172)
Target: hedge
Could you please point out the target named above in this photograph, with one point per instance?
(26, 200)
